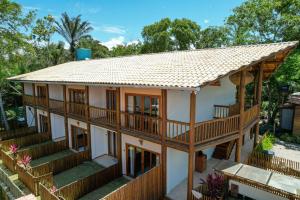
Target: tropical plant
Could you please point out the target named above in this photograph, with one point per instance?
(13, 149)
(53, 189)
(25, 161)
(72, 30)
(216, 185)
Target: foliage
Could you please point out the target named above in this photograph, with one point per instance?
(25, 161)
(124, 50)
(72, 30)
(290, 138)
(13, 149)
(53, 189)
(216, 185)
(213, 36)
(98, 50)
(266, 143)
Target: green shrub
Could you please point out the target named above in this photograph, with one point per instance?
(266, 143)
(290, 138)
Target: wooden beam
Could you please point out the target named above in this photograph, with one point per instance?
(118, 128)
(48, 111)
(35, 107)
(87, 119)
(66, 115)
(192, 146)
(241, 124)
(163, 140)
(259, 94)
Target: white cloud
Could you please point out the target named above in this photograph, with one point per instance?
(132, 42)
(31, 8)
(113, 42)
(206, 21)
(114, 29)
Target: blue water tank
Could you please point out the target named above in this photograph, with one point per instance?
(83, 54)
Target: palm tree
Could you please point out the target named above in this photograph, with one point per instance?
(72, 29)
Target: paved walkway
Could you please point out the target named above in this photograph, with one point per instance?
(287, 150)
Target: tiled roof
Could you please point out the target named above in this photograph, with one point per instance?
(184, 69)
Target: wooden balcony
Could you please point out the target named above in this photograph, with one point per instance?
(56, 106)
(221, 111)
(28, 100)
(41, 101)
(178, 131)
(251, 115)
(103, 116)
(76, 109)
(141, 124)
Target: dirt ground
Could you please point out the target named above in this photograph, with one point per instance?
(287, 150)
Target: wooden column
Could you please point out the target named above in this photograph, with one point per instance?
(239, 141)
(48, 111)
(66, 115)
(87, 119)
(163, 140)
(118, 132)
(191, 145)
(34, 107)
(259, 91)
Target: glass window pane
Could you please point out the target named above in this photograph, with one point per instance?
(138, 104)
(155, 106)
(147, 105)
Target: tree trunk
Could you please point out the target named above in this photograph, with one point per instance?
(3, 115)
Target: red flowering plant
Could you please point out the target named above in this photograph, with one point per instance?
(25, 161)
(215, 185)
(53, 189)
(13, 149)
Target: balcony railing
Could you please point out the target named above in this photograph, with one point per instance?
(103, 115)
(221, 111)
(28, 99)
(178, 131)
(41, 101)
(56, 105)
(141, 123)
(250, 115)
(76, 109)
(215, 129)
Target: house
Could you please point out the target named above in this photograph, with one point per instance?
(290, 114)
(155, 109)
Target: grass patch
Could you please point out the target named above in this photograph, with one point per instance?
(266, 143)
(106, 189)
(49, 158)
(76, 173)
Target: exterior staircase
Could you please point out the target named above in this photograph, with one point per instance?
(223, 151)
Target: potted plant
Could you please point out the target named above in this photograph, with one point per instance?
(214, 186)
(25, 161)
(13, 150)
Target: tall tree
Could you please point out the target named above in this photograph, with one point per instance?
(72, 29)
(125, 50)
(213, 36)
(98, 50)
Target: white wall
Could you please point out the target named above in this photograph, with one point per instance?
(30, 116)
(74, 123)
(178, 105)
(255, 193)
(99, 141)
(57, 126)
(214, 95)
(28, 88)
(177, 167)
(40, 112)
(209, 152)
(144, 144)
(97, 96)
(56, 92)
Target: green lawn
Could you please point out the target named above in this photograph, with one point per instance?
(51, 157)
(106, 189)
(35, 145)
(76, 173)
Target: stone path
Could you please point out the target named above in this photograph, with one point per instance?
(287, 150)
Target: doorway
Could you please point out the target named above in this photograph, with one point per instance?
(111, 105)
(139, 160)
(112, 143)
(43, 123)
(79, 138)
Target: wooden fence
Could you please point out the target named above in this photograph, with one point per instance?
(273, 163)
(81, 187)
(25, 141)
(146, 187)
(202, 189)
(178, 131)
(43, 149)
(45, 193)
(6, 135)
(8, 160)
(250, 115)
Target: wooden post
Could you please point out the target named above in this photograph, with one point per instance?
(66, 115)
(87, 119)
(119, 136)
(239, 141)
(35, 108)
(48, 111)
(191, 146)
(259, 91)
(163, 140)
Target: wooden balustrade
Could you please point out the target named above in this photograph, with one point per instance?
(41, 101)
(148, 186)
(250, 115)
(141, 123)
(103, 115)
(221, 111)
(178, 131)
(76, 109)
(56, 105)
(214, 129)
(28, 99)
(45, 193)
(20, 132)
(8, 160)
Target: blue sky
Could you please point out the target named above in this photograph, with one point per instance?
(120, 21)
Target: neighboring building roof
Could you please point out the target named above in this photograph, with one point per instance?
(183, 69)
(295, 98)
